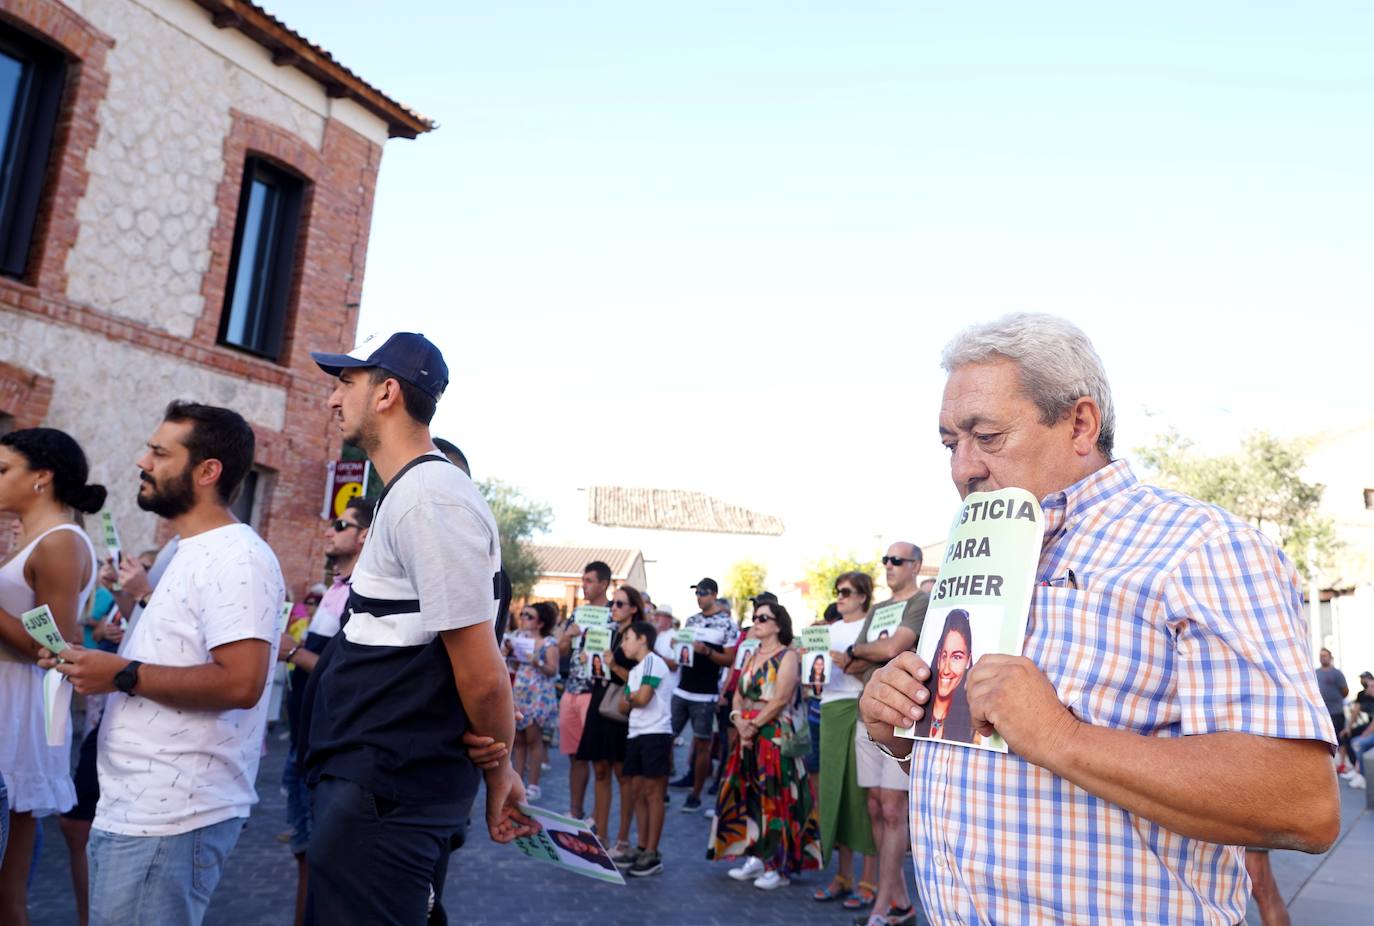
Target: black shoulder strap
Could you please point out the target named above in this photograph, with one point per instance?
(427, 458)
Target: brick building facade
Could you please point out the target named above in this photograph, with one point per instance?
(204, 197)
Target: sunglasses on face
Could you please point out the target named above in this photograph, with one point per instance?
(897, 560)
(529, 616)
(340, 525)
(845, 592)
(620, 604)
(764, 618)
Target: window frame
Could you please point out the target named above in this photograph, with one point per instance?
(28, 146)
(275, 262)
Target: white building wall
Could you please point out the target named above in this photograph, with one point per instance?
(112, 428)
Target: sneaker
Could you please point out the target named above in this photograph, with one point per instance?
(715, 787)
(648, 863)
(532, 792)
(771, 881)
(624, 856)
(1351, 775)
(691, 805)
(749, 871)
(684, 782)
(710, 813)
(1357, 783)
(544, 766)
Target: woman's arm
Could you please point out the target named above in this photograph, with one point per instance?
(550, 664)
(56, 570)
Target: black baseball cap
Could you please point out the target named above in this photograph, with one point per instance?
(706, 586)
(411, 357)
(764, 598)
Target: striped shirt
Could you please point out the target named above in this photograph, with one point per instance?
(1185, 621)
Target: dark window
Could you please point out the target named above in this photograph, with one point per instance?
(247, 505)
(30, 95)
(264, 260)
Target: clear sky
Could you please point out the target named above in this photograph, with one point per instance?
(718, 246)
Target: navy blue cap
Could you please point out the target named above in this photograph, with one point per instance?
(409, 356)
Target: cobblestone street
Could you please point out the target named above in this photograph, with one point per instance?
(488, 883)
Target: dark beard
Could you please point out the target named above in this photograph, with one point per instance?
(176, 497)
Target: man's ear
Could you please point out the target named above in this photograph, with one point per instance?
(388, 396)
(1086, 420)
(207, 472)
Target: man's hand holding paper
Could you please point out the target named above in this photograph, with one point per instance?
(1010, 696)
(895, 697)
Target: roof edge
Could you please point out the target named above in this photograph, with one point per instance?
(291, 49)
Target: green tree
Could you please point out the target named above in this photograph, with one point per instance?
(821, 573)
(1262, 483)
(743, 581)
(518, 519)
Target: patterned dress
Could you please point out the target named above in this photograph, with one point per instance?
(535, 695)
(764, 808)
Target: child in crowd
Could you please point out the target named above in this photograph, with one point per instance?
(650, 747)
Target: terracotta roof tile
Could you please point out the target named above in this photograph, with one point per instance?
(569, 561)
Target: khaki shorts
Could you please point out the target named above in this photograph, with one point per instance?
(876, 770)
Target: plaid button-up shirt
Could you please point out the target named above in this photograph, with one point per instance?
(1185, 621)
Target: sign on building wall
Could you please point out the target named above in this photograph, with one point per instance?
(347, 480)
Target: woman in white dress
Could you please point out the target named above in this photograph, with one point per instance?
(42, 480)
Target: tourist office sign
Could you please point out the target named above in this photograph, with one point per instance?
(346, 481)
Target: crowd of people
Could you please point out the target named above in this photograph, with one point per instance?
(1164, 729)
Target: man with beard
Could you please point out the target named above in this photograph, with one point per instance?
(343, 543)
(415, 664)
(183, 726)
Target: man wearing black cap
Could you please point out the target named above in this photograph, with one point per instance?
(415, 665)
(699, 684)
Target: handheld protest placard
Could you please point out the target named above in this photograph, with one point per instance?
(885, 620)
(816, 672)
(587, 616)
(979, 605)
(569, 844)
(595, 642)
(111, 537)
(746, 649)
(683, 642)
(39, 624)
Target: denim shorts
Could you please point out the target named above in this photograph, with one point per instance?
(701, 713)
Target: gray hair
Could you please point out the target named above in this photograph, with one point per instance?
(1057, 362)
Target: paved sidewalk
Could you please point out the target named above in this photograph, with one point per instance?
(487, 883)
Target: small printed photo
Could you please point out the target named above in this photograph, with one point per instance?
(683, 648)
(951, 641)
(817, 669)
(746, 649)
(596, 665)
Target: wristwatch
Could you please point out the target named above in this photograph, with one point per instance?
(884, 750)
(126, 678)
(849, 652)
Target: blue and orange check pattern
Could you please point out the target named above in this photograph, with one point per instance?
(1185, 621)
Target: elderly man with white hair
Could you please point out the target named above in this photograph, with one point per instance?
(1162, 714)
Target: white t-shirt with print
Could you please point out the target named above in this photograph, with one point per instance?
(657, 715)
(842, 685)
(163, 770)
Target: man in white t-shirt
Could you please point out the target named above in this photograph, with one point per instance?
(415, 664)
(183, 726)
